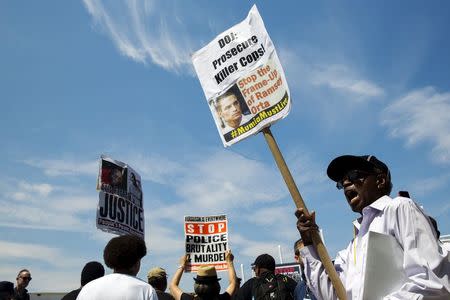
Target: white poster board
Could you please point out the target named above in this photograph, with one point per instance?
(383, 272)
(243, 80)
(206, 241)
(120, 208)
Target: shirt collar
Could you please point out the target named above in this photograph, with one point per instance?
(379, 205)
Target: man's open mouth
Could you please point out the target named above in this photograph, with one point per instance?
(351, 194)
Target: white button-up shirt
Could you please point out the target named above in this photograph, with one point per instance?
(425, 262)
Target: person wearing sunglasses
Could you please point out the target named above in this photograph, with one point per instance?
(22, 280)
(366, 185)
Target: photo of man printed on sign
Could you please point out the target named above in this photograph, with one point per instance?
(231, 109)
(134, 187)
(113, 178)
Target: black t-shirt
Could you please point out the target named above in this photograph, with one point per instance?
(246, 290)
(72, 295)
(24, 296)
(224, 296)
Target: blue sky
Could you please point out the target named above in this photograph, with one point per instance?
(83, 78)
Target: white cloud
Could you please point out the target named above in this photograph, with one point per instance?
(144, 32)
(423, 186)
(156, 168)
(339, 77)
(35, 252)
(58, 167)
(44, 206)
(251, 248)
(43, 189)
(422, 115)
(226, 180)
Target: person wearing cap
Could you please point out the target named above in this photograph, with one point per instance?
(206, 286)
(22, 281)
(123, 254)
(366, 183)
(6, 290)
(91, 271)
(157, 278)
(264, 269)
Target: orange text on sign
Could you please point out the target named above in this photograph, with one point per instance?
(206, 228)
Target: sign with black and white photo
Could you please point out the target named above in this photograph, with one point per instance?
(120, 208)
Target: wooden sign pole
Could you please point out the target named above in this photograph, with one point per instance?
(317, 241)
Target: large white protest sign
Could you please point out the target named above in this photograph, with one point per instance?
(243, 80)
(120, 208)
(206, 241)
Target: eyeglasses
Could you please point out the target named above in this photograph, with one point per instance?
(353, 176)
(26, 278)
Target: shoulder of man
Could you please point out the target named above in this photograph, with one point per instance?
(245, 291)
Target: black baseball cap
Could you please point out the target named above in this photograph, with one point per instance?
(265, 261)
(341, 165)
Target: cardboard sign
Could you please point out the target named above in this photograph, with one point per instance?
(120, 208)
(243, 81)
(206, 241)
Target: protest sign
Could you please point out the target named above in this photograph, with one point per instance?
(120, 208)
(206, 241)
(243, 80)
(289, 269)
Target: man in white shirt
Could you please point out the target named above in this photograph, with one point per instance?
(123, 254)
(366, 182)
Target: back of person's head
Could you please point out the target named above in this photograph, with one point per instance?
(265, 261)
(207, 285)
(91, 271)
(157, 278)
(207, 291)
(6, 290)
(123, 252)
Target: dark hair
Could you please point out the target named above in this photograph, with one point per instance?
(23, 270)
(223, 96)
(265, 261)
(159, 283)
(91, 271)
(207, 291)
(123, 252)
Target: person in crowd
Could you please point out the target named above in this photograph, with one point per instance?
(206, 285)
(157, 278)
(22, 281)
(91, 271)
(229, 110)
(123, 254)
(302, 290)
(6, 290)
(366, 182)
(265, 284)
